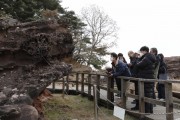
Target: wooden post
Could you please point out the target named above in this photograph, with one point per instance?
(67, 84)
(77, 82)
(53, 86)
(169, 101)
(89, 86)
(110, 94)
(123, 92)
(98, 87)
(141, 98)
(63, 87)
(95, 102)
(82, 83)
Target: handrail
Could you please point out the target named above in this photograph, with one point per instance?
(133, 78)
(80, 82)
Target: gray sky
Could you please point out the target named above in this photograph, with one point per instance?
(154, 23)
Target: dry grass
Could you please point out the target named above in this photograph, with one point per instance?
(75, 108)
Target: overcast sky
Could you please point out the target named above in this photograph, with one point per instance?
(154, 23)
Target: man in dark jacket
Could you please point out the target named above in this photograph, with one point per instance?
(118, 69)
(145, 68)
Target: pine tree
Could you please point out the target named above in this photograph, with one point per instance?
(25, 10)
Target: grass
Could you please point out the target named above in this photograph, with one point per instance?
(75, 108)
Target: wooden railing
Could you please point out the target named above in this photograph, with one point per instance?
(86, 80)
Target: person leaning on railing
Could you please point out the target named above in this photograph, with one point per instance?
(119, 68)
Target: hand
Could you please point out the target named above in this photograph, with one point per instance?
(129, 64)
(111, 75)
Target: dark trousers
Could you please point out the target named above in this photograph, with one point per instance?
(148, 92)
(149, 106)
(136, 92)
(118, 83)
(161, 91)
(136, 87)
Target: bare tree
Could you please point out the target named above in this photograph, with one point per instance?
(102, 31)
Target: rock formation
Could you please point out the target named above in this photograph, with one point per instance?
(173, 65)
(30, 59)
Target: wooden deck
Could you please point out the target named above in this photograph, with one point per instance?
(158, 110)
(83, 83)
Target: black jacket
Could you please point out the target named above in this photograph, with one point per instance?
(162, 67)
(145, 68)
(133, 61)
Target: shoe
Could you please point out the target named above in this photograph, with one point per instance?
(161, 99)
(118, 95)
(135, 108)
(133, 102)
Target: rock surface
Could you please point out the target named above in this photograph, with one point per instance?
(30, 59)
(173, 65)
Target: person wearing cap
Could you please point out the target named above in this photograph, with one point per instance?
(145, 68)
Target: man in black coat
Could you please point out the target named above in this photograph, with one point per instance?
(145, 68)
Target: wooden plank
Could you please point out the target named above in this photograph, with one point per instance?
(141, 98)
(82, 83)
(77, 82)
(89, 86)
(104, 88)
(154, 101)
(101, 87)
(132, 78)
(132, 96)
(169, 102)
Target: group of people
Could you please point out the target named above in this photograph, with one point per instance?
(146, 64)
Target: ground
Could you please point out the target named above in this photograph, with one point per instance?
(73, 107)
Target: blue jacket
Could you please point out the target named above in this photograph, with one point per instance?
(121, 69)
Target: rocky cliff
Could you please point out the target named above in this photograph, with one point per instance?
(173, 65)
(30, 59)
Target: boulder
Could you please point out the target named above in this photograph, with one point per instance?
(31, 56)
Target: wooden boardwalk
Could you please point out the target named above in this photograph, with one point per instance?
(157, 109)
(82, 83)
